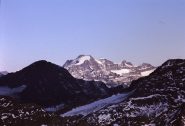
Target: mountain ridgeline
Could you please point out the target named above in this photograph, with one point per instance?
(88, 68)
(154, 100)
(47, 84)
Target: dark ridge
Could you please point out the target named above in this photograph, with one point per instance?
(48, 84)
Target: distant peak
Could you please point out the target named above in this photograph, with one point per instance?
(105, 60)
(80, 56)
(81, 59)
(127, 64)
(145, 64)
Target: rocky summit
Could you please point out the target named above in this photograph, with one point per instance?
(88, 68)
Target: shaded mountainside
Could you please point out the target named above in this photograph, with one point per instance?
(48, 85)
(12, 113)
(88, 68)
(158, 100)
(2, 73)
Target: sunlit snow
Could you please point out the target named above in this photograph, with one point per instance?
(55, 108)
(81, 60)
(97, 105)
(98, 61)
(128, 65)
(122, 71)
(146, 73)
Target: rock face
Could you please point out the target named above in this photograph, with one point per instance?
(88, 68)
(47, 84)
(13, 113)
(157, 100)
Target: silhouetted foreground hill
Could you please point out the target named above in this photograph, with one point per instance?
(47, 84)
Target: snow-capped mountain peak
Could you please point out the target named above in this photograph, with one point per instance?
(124, 63)
(89, 68)
(81, 59)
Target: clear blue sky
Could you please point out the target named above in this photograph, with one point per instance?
(56, 30)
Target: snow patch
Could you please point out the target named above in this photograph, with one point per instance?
(103, 117)
(55, 108)
(98, 61)
(152, 124)
(4, 117)
(115, 124)
(146, 73)
(10, 91)
(128, 65)
(150, 96)
(81, 60)
(122, 71)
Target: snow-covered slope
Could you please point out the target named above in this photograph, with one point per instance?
(146, 73)
(97, 105)
(89, 68)
(11, 91)
(82, 59)
(2, 73)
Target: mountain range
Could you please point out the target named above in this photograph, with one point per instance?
(88, 68)
(44, 93)
(156, 100)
